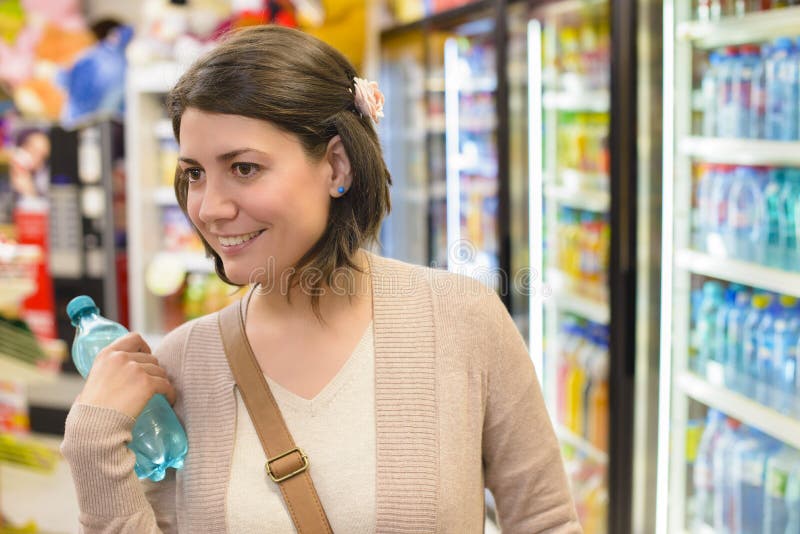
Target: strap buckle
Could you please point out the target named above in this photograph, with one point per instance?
(301, 469)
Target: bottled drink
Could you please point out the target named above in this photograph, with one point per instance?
(742, 72)
(159, 441)
(710, 91)
(748, 470)
(706, 325)
(758, 96)
(762, 373)
(723, 481)
(748, 372)
(779, 467)
(746, 225)
(772, 252)
(793, 501)
(734, 339)
(784, 356)
(704, 470)
(726, 116)
(715, 367)
(717, 239)
(782, 92)
(789, 201)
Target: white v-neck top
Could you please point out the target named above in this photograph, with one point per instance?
(336, 429)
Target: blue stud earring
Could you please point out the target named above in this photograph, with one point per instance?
(341, 190)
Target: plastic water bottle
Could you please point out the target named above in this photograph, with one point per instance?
(715, 367)
(748, 372)
(793, 501)
(703, 474)
(779, 467)
(782, 92)
(784, 357)
(746, 224)
(717, 234)
(742, 73)
(706, 324)
(734, 339)
(703, 217)
(762, 373)
(758, 95)
(726, 115)
(748, 467)
(773, 252)
(159, 441)
(789, 202)
(710, 93)
(723, 481)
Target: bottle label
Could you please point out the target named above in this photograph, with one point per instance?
(776, 482)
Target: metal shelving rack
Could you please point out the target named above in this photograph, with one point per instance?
(681, 390)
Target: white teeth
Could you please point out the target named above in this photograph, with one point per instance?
(237, 240)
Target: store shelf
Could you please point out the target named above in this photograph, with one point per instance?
(742, 272)
(751, 28)
(742, 151)
(592, 101)
(585, 180)
(567, 299)
(749, 412)
(596, 201)
(20, 371)
(165, 196)
(58, 394)
(565, 435)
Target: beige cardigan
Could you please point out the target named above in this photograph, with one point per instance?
(457, 406)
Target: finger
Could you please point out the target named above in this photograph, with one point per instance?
(130, 342)
(142, 357)
(152, 369)
(163, 386)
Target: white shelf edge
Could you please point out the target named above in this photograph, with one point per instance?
(17, 370)
(751, 28)
(742, 272)
(596, 101)
(566, 299)
(742, 151)
(570, 438)
(59, 394)
(596, 201)
(739, 407)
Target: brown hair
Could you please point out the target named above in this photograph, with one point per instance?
(304, 87)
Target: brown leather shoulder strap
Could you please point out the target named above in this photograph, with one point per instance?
(287, 464)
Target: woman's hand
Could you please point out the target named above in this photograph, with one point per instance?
(124, 376)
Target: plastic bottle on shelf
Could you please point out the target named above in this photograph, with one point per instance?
(773, 251)
(742, 73)
(793, 500)
(723, 481)
(703, 474)
(789, 203)
(763, 372)
(758, 96)
(734, 338)
(715, 366)
(717, 222)
(784, 355)
(726, 111)
(782, 92)
(159, 440)
(704, 335)
(710, 94)
(779, 466)
(703, 218)
(598, 399)
(746, 221)
(576, 381)
(747, 371)
(570, 340)
(748, 470)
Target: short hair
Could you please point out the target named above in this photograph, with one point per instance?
(305, 87)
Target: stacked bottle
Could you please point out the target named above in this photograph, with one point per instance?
(583, 244)
(744, 480)
(749, 213)
(753, 92)
(747, 340)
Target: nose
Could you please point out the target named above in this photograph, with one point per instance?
(217, 203)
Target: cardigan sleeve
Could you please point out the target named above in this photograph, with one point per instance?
(110, 496)
(522, 460)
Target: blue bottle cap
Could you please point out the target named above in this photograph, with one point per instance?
(78, 305)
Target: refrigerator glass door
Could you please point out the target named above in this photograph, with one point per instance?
(559, 114)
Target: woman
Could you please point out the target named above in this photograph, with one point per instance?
(408, 388)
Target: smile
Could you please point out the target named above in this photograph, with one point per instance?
(231, 241)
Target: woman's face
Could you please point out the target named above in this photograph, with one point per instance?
(254, 194)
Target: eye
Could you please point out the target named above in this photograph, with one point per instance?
(192, 174)
(245, 170)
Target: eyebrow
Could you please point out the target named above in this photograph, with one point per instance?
(227, 156)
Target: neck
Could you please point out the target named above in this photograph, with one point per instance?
(273, 305)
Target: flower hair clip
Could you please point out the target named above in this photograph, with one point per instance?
(368, 98)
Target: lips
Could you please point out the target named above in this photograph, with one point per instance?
(234, 240)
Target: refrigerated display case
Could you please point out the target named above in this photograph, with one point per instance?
(729, 419)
